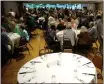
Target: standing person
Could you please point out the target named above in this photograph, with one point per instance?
(99, 25)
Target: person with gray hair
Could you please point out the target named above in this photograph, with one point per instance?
(92, 31)
(83, 29)
(70, 34)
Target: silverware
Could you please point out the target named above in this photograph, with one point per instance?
(35, 62)
(80, 80)
(26, 72)
(89, 66)
(78, 57)
(88, 74)
(26, 67)
(86, 63)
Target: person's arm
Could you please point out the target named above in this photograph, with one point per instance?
(91, 31)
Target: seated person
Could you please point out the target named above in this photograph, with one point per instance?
(12, 12)
(70, 34)
(50, 19)
(5, 39)
(84, 39)
(52, 40)
(52, 31)
(24, 33)
(92, 31)
(4, 23)
(15, 28)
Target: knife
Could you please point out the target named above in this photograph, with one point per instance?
(86, 63)
(88, 74)
(26, 72)
(35, 62)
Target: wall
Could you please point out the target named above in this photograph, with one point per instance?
(100, 6)
(10, 5)
(91, 7)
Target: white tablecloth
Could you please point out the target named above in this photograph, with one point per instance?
(58, 68)
(15, 39)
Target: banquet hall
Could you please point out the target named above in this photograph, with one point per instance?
(52, 41)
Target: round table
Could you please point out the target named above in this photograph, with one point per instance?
(58, 68)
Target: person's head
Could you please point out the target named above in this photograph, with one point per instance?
(91, 24)
(60, 19)
(53, 27)
(22, 27)
(84, 29)
(62, 22)
(68, 26)
(13, 24)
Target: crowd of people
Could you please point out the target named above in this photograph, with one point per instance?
(54, 20)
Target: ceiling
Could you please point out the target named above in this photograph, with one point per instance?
(61, 1)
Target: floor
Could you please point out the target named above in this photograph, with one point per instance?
(9, 71)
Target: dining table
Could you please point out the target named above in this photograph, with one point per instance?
(58, 68)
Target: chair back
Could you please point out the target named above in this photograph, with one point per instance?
(22, 42)
(67, 43)
(98, 61)
(68, 50)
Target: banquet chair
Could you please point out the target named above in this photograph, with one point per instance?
(31, 31)
(23, 44)
(98, 62)
(67, 46)
(51, 45)
(95, 46)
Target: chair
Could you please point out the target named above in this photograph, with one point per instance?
(98, 62)
(29, 43)
(51, 45)
(23, 44)
(67, 46)
(95, 46)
